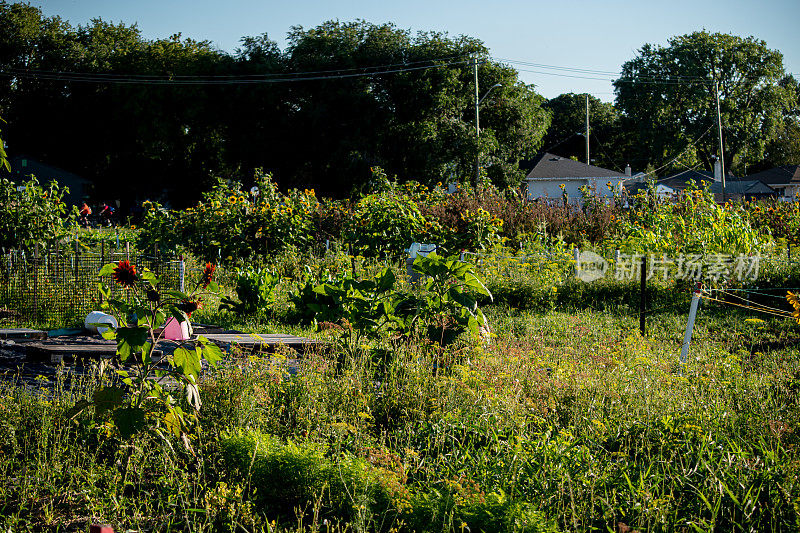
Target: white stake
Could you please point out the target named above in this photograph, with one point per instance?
(182, 273)
(687, 338)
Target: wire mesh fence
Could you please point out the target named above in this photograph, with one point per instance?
(58, 288)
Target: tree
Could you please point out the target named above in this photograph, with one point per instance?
(784, 149)
(566, 134)
(415, 122)
(667, 96)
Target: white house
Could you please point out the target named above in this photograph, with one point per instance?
(552, 176)
(785, 180)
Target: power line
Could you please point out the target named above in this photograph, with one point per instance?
(212, 80)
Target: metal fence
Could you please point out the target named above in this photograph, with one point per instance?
(60, 287)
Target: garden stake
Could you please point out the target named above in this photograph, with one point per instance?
(36, 282)
(687, 337)
(181, 271)
(643, 295)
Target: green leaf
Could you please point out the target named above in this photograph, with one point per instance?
(211, 352)
(130, 340)
(174, 421)
(129, 421)
(150, 278)
(178, 295)
(108, 269)
(107, 399)
(187, 361)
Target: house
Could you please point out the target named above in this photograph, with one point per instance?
(735, 188)
(22, 167)
(553, 176)
(636, 185)
(784, 180)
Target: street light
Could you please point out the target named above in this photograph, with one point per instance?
(478, 102)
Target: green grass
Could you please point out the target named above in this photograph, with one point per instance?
(568, 419)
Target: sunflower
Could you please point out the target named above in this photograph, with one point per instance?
(125, 273)
(232, 200)
(794, 299)
(189, 306)
(208, 274)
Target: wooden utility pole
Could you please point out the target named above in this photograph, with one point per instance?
(587, 129)
(721, 152)
(477, 121)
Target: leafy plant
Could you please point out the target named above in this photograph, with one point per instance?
(449, 303)
(255, 288)
(143, 399)
(31, 213)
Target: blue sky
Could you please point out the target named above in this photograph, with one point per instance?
(596, 35)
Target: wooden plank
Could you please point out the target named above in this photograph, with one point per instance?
(261, 341)
(57, 352)
(22, 333)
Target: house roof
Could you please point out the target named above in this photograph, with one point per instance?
(681, 180)
(742, 186)
(551, 166)
(634, 185)
(778, 175)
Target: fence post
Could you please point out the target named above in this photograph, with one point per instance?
(77, 259)
(181, 271)
(36, 282)
(116, 230)
(687, 337)
(643, 295)
(102, 252)
(128, 251)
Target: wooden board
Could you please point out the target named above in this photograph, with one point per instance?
(57, 352)
(22, 333)
(253, 342)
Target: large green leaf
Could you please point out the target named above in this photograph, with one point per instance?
(130, 340)
(187, 361)
(129, 421)
(107, 399)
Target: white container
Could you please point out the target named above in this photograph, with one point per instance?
(98, 317)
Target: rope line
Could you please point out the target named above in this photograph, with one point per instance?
(782, 315)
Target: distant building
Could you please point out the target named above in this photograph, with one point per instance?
(735, 188)
(784, 180)
(552, 176)
(22, 167)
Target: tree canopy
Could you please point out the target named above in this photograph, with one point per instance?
(666, 95)
(138, 116)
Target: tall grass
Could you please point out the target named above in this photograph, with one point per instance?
(568, 419)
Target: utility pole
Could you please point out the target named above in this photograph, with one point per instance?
(587, 129)
(477, 122)
(719, 127)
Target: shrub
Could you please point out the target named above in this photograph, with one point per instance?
(291, 476)
(31, 213)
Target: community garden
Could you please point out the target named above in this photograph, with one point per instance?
(500, 383)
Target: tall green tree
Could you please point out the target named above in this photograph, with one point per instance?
(666, 95)
(566, 134)
(414, 118)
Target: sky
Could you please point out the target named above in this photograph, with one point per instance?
(595, 35)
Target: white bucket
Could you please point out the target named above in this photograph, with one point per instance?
(99, 317)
